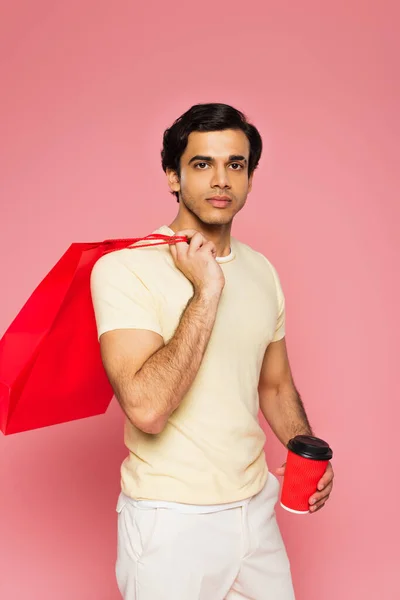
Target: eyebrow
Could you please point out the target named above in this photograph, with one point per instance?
(211, 159)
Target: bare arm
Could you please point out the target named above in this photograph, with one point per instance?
(149, 378)
(280, 401)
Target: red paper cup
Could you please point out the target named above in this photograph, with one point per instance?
(307, 460)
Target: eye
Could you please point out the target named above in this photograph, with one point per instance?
(198, 165)
(237, 165)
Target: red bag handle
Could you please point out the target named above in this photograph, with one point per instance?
(155, 239)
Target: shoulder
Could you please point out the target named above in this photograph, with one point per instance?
(254, 257)
(132, 260)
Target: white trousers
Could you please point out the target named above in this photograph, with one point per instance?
(232, 554)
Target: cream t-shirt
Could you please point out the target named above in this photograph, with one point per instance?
(211, 450)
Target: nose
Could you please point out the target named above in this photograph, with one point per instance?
(220, 177)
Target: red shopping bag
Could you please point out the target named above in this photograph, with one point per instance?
(50, 364)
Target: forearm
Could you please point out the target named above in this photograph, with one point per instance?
(284, 411)
(164, 379)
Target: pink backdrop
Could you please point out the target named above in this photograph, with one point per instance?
(87, 90)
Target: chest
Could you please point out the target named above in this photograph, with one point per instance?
(247, 311)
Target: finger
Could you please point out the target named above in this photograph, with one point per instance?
(210, 248)
(181, 248)
(326, 479)
(197, 241)
(173, 252)
(189, 233)
(318, 506)
(320, 495)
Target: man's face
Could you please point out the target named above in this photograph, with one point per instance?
(214, 164)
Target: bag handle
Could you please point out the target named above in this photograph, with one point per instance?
(155, 239)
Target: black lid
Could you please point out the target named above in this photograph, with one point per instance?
(309, 446)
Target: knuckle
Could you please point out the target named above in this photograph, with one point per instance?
(196, 239)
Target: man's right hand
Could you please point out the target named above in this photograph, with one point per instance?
(196, 260)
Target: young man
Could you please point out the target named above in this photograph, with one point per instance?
(192, 338)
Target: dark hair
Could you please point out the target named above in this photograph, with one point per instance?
(206, 117)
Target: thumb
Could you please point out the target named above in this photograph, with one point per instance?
(281, 470)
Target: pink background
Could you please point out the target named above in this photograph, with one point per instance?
(88, 88)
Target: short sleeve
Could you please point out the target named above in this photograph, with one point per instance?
(280, 328)
(120, 298)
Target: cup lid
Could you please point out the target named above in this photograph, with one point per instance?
(309, 446)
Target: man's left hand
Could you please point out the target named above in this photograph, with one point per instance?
(325, 484)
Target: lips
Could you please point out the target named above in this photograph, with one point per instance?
(219, 201)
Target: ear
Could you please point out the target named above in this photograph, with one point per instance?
(250, 182)
(173, 181)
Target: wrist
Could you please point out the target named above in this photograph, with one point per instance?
(208, 294)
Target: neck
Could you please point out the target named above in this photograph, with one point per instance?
(220, 235)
